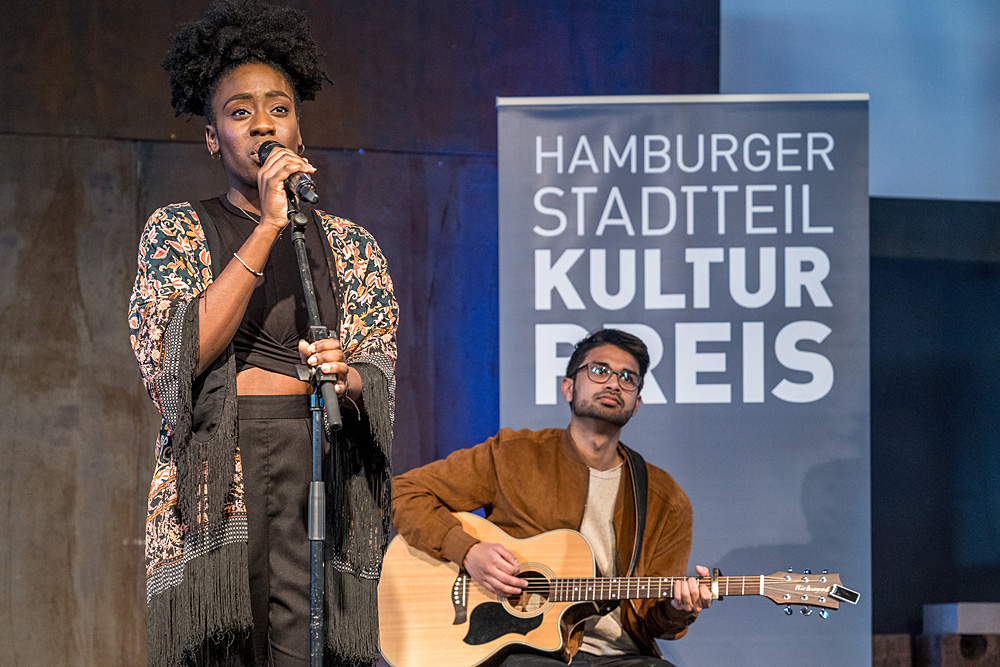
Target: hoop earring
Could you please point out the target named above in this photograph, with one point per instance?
(216, 155)
(302, 149)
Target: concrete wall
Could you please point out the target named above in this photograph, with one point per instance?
(405, 140)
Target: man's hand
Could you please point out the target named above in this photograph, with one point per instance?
(492, 566)
(689, 596)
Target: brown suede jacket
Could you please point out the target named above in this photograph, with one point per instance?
(531, 482)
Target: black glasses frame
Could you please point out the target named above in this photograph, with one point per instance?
(604, 379)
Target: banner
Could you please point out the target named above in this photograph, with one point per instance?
(730, 233)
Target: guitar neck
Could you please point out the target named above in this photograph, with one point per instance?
(635, 588)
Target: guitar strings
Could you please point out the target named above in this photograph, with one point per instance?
(726, 585)
(632, 581)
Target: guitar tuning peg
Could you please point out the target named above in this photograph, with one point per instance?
(806, 611)
(788, 611)
(826, 571)
(824, 613)
(790, 570)
(807, 571)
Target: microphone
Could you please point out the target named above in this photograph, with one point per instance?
(298, 183)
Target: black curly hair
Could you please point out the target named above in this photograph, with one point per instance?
(233, 33)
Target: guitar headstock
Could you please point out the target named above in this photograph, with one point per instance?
(823, 591)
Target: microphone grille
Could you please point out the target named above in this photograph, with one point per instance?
(265, 149)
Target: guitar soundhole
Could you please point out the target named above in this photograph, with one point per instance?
(534, 598)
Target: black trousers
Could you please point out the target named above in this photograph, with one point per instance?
(582, 659)
(276, 454)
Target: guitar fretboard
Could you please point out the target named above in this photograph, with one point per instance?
(629, 588)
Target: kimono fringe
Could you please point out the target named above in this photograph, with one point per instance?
(359, 518)
(207, 620)
(204, 450)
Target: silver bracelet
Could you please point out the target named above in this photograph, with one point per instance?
(259, 274)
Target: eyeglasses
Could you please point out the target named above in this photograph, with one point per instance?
(600, 373)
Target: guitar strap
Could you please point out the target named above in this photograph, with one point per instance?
(640, 484)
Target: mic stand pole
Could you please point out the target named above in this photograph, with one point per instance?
(324, 396)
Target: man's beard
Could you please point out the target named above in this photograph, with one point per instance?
(616, 416)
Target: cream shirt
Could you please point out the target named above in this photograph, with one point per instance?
(604, 635)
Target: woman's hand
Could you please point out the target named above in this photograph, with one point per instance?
(326, 356)
(281, 163)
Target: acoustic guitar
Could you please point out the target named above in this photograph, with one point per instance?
(431, 613)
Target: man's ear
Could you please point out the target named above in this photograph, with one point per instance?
(635, 408)
(567, 389)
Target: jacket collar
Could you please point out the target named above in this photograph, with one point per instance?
(572, 453)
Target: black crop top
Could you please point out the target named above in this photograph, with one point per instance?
(276, 318)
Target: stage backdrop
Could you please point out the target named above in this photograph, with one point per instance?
(730, 233)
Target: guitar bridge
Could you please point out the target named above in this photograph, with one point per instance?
(838, 592)
(460, 598)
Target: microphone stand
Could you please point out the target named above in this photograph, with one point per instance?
(324, 396)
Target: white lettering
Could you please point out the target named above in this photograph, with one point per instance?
(722, 190)
(766, 155)
(611, 154)
(599, 279)
(583, 156)
(652, 394)
(701, 259)
(812, 150)
(718, 150)
(615, 199)
(549, 366)
(806, 227)
(648, 153)
(557, 154)
(647, 192)
(752, 209)
(811, 280)
(795, 359)
(654, 299)
(680, 154)
(554, 212)
(550, 277)
(753, 362)
(767, 280)
(581, 191)
(690, 362)
(782, 151)
(689, 192)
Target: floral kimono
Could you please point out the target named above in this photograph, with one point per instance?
(197, 588)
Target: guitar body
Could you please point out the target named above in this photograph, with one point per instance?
(431, 613)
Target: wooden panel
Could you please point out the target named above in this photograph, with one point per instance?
(75, 453)
(414, 76)
(91, 67)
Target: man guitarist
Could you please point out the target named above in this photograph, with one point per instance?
(531, 482)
